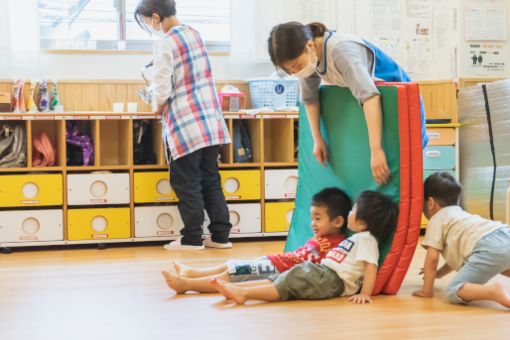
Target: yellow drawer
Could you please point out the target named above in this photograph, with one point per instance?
(441, 136)
(30, 190)
(241, 184)
(278, 216)
(97, 224)
(424, 221)
(153, 187)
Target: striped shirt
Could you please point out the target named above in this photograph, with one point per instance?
(182, 78)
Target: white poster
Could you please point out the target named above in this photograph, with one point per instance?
(418, 8)
(386, 26)
(486, 59)
(386, 17)
(418, 52)
(486, 24)
(318, 10)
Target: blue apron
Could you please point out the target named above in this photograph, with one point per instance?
(388, 70)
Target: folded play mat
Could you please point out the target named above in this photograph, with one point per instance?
(344, 128)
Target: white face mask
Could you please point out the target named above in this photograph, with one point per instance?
(309, 69)
(157, 33)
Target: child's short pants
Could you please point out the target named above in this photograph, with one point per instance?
(250, 270)
(490, 257)
(308, 281)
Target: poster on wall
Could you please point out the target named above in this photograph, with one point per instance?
(486, 59)
(418, 51)
(386, 25)
(418, 8)
(486, 24)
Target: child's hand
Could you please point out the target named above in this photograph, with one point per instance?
(421, 293)
(360, 298)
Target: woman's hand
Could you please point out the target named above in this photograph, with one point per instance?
(320, 151)
(160, 109)
(380, 169)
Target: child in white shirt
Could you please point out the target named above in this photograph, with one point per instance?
(477, 248)
(350, 269)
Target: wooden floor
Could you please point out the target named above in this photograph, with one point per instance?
(118, 294)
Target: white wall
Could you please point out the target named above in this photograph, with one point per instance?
(447, 50)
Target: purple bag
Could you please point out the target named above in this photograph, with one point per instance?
(80, 149)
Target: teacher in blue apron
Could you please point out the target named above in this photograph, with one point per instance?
(313, 53)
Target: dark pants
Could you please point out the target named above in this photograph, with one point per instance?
(196, 181)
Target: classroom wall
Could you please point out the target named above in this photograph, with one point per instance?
(437, 50)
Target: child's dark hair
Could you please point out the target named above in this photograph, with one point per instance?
(443, 188)
(335, 201)
(146, 8)
(288, 41)
(378, 212)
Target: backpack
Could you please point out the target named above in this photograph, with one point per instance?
(13, 147)
(143, 143)
(80, 149)
(241, 143)
(44, 152)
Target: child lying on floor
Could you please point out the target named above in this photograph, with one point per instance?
(329, 211)
(350, 269)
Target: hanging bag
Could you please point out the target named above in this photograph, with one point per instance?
(44, 152)
(13, 146)
(143, 142)
(242, 143)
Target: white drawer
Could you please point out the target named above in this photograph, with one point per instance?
(245, 218)
(98, 189)
(162, 221)
(31, 226)
(281, 184)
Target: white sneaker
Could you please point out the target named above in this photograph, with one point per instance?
(209, 243)
(176, 245)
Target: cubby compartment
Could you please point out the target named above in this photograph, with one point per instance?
(98, 189)
(247, 141)
(278, 141)
(30, 190)
(226, 151)
(81, 142)
(278, 216)
(245, 218)
(281, 184)
(239, 185)
(160, 221)
(296, 139)
(98, 224)
(148, 146)
(14, 145)
(48, 146)
(31, 226)
(114, 142)
(153, 187)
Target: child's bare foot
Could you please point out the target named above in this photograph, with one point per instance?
(175, 283)
(500, 295)
(178, 267)
(229, 291)
(183, 270)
